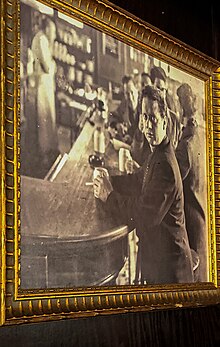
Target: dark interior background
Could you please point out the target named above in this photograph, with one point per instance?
(196, 24)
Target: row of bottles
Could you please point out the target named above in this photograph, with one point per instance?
(71, 38)
(61, 53)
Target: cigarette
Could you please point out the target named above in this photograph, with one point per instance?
(89, 183)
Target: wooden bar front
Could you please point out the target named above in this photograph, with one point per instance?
(68, 238)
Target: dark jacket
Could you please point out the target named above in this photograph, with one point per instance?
(152, 199)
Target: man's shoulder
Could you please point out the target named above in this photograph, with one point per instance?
(166, 148)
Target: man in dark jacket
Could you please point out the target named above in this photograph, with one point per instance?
(152, 201)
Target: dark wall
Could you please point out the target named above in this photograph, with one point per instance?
(199, 327)
(196, 25)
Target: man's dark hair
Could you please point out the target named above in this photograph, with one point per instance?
(158, 72)
(184, 89)
(126, 79)
(145, 74)
(153, 94)
(46, 22)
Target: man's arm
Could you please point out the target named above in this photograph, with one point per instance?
(128, 184)
(151, 206)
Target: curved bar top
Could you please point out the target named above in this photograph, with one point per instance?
(67, 229)
(66, 207)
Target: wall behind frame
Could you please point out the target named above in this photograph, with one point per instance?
(195, 24)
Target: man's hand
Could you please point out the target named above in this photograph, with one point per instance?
(102, 187)
(131, 165)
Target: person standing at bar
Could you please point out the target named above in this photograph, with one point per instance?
(44, 73)
(151, 200)
(190, 155)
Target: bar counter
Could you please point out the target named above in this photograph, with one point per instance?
(68, 238)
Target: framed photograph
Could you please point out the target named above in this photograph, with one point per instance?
(109, 164)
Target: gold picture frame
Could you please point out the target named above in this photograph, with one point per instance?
(27, 304)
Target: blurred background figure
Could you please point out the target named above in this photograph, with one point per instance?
(190, 154)
(145, 80)
(137, 79)
(159, 81)
(140, 148)
(44, 77)
(126, 113)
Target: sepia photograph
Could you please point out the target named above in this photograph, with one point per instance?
(113, 160)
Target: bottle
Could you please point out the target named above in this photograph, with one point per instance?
(99, 141)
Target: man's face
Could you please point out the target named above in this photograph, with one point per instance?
(154, 126)
(161, 86)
